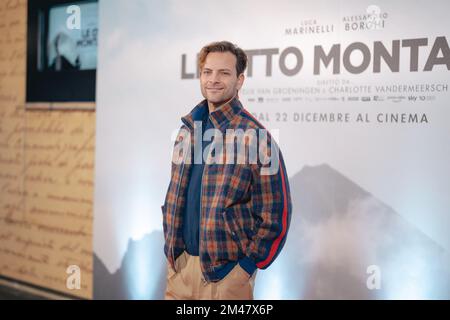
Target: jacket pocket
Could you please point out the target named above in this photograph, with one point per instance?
(233, 223)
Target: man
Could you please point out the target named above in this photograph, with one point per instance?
(223, 218)
(66, 56)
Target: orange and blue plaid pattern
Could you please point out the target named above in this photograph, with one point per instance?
(243, 213)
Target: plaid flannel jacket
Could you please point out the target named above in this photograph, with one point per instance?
(243, 213)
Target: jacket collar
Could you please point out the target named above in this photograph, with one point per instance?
(220, 118)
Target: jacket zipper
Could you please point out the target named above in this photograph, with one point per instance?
(173, 222)
(200, 213)
(200, 220)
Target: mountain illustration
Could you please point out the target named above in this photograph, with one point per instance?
(141, 275)
(339, 232)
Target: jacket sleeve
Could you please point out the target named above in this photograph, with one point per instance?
(272, 207)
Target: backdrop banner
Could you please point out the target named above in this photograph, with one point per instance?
(358, 94)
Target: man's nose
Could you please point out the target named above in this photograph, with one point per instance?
(215, 77)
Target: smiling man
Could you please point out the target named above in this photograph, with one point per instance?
(220, 76)
(222, 220)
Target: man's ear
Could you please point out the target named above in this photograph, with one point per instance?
(240, 81)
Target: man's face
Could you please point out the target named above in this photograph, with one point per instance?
(218, 79)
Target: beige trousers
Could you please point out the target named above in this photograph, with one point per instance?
(188, 283)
